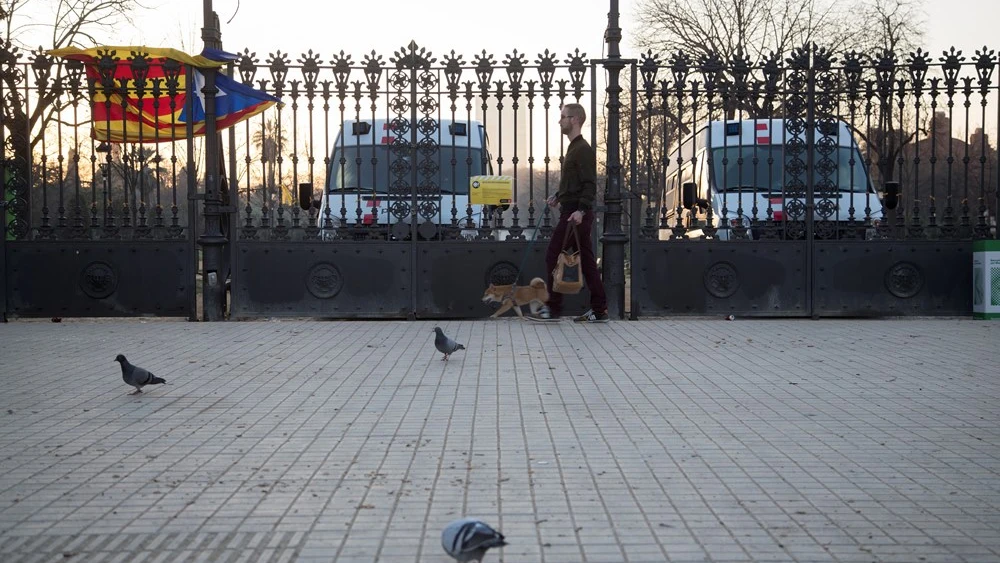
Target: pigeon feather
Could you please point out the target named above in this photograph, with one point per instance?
(136, 376)
(445, 345)
(467, 539)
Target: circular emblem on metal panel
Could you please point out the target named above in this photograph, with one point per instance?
(427, 230)
(324, 280)
(400, 230)
(721, 280)
(98, 280)
(904, 280)
(502, 273)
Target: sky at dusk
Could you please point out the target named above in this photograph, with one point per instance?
(467, 27)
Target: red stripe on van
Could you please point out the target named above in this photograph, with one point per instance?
(764, 139)
(777, 214)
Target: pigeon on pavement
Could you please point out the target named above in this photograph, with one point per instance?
(136, 376)
(468, 539)
(444, 344)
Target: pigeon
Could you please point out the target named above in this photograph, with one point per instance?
(444, 344)
(136, 376)
(468, 539)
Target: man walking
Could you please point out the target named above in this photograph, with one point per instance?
(575, 201)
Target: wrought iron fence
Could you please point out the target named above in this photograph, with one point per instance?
(808, 146)
(921, 124)
(59, 183)
(878, 145)
(363, 148)
(62, 184)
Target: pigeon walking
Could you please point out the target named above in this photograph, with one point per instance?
(136, 376)
(468, 539)
(444, 344)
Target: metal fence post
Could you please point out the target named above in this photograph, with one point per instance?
(635, 200)
(810, 178)
(614, 239)
(212, 239)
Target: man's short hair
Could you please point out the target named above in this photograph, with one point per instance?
(576, 110)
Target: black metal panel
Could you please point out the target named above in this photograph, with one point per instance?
(697, 278)
(879, 278)
(373, 280)
(311, 278)
(3, 279)
(452, 276)
(91, 279)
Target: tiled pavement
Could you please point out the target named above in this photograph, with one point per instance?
(658, 440)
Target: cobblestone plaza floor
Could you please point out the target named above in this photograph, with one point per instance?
(649, 441)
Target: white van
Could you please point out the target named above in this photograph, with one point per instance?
(753, 170)
(363, 168)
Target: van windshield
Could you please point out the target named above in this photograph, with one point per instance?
(755, 174)
(368, 169)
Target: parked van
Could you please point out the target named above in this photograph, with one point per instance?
(753, 170)
(363, 168)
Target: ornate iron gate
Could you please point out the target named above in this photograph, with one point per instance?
(409, 243)
(95, 230)
(879, 225)
(90, 229)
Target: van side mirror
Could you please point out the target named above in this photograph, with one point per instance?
(689, 191)
(306, 196)
(890, 199)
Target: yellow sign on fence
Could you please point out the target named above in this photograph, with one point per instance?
(491, 190)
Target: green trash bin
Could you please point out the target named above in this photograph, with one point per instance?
(986, 279)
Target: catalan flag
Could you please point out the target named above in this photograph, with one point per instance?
(125, 108)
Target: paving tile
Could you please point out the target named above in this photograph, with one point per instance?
(684, 440)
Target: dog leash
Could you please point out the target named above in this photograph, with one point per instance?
(527, 250)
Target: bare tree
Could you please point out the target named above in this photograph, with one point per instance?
(889, 25)
(75, 22)
(726, 27)
(739, 36)
(756, 28)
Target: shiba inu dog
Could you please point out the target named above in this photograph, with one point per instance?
(535, 294)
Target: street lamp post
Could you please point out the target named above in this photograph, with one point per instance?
(614, 239)
(212, 240)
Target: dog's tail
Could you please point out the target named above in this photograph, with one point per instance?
(537, 283)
